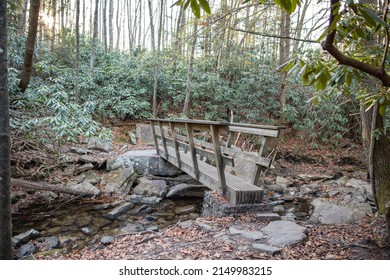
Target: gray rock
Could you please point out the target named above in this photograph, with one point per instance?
(144, 162)
(52, 242)
(181, 210)
(86, 230)
(85, 187)
(152, 228)
(132, 228)
(186, 224)
(144, 133)
(157, 188)
(92, 177)
(314, 177)
(359, 184)
(283, 182)
(88, 159)
(25, 237)
(246, 234)
(98, 145)
(269, 249)
(205, 227)
(284, 233)
(83, 168)
(289, 217)
(107, 240)
(80, 151)
(268, 216)
(49, 196)
(139, 199)
(119, 181)
(26, 250)
(327, 211)
(275, 188)
(119, 210)
(333, 193)
(132, 137)
(278, 209)
(186, 190)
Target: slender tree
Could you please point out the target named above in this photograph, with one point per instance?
(284, 51)
(76, 84)
(111, 24)
(5, 140)
(94, 38)
(23, 17)
(190, 70)
(30, 45)
(104, 24)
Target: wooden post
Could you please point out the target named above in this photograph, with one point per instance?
(192, 150)
(175, 145)
(155, 137)
(164, 142)
(218, 158)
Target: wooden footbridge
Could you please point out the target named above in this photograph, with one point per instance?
(180, 142)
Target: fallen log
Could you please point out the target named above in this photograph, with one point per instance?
(49, 187)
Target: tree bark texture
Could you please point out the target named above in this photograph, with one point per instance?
(23, 17)
(77, 64)
(5, 140)
(111, 24)
(284, 52)
(190, 70)
(104, 23)
(94, 38)
(30, 45)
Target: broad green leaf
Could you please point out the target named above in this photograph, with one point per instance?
(369, 19)
(360, 33)
(195, 8)
(374, 17)
(289, 65)
(382, 110)
(205, 5)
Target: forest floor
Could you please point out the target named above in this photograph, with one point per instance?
(362, 240)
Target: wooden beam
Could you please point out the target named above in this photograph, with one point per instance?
(175, 143)
(255, 131)
(218, 158)
(155, 137)
(192, 150)
(163, 139)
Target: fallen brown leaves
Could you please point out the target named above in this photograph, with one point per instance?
(325, 242)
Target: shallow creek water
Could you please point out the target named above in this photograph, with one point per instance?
(79, 223)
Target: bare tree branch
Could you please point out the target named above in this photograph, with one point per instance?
(328, 45)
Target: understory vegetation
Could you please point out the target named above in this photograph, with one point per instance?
(121, 87)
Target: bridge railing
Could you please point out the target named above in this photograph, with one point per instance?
(186, 144)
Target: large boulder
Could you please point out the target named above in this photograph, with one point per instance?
(144, 133)
(99, 145)
(146, 187)
(144, 162)
(328, 211)
(283, 233)
(119, 181)
(185, 190)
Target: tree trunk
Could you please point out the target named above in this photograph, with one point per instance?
(49, 187)
(94, 37)
(30, 45)
(111, 24)
(104, 24)
(76, 84)
(23, 17)
(190, 70)
(284, 51)
(5, 144)
(53, 28)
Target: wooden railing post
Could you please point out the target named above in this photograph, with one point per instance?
(155, 137)
(175, 144)
(192, 149)
(164, 142)
(218, 158)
